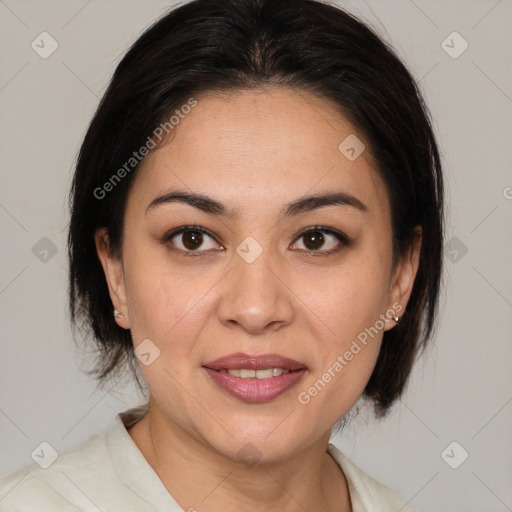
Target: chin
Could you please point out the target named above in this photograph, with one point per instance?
(259, 440)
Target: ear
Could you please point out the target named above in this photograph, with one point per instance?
(114, 274)
(403, 278)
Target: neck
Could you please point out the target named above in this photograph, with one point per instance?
(201, 479)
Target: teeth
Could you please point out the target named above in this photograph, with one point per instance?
(258, 374)
(265, 374)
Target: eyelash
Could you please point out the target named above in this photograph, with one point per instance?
(342, 238)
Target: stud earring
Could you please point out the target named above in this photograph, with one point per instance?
(397, 319)
(117, 314)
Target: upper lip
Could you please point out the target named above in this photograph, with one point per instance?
(254, 362)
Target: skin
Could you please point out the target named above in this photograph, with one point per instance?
(254, 151)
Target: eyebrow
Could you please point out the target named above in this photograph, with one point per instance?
(302, 205)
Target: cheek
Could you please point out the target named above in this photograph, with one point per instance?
(352, 312)
(346, 357)
(163, 299)
(349, 334)
(331, 394)
(166, 306)
(349, 298)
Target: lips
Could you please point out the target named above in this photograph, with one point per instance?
(255, 389)
(261, 362)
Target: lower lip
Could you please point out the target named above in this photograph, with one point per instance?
(255, 390)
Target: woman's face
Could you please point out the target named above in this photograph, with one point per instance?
(253, 282)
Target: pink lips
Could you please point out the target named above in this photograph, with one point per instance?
(253, 389)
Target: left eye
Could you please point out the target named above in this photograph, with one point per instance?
(316, 239)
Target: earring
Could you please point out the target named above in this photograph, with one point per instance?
(397, 319)
(117, 314)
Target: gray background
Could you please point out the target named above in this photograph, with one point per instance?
(460, 391)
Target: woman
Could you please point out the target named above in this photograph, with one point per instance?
(257, 223)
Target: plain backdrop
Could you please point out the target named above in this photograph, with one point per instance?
(460, 392)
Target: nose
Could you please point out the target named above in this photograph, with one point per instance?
(255, 296)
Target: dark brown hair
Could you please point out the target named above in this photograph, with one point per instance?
(230, 45)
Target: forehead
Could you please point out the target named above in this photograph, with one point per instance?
(262, 147)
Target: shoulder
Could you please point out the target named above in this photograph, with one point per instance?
(366, 493)
(58, 487)
(107, 472)
(25, 491)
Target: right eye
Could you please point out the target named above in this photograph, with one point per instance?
(192, 239)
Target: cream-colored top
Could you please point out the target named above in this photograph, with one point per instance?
(108, 473)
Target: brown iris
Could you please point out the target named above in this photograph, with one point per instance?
(314, 240)
(192, 239)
